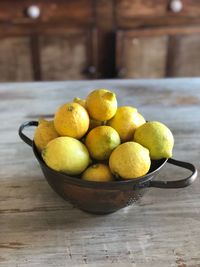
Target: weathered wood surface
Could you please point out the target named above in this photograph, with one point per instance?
(38, 228)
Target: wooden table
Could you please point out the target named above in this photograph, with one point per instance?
(38, 228)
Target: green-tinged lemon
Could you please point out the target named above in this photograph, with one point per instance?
(66, 154)
(157, 137)
(101, 141)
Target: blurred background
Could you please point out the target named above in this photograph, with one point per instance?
(96, 39)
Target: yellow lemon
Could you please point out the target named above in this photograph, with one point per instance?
(141, 119)
(125, 121)
(101, 104)
(130, 160)
(66, 154)
(72, 120)
(98, 173)
(80, 101)
(100, 142)
(44, 133)
(157, 137)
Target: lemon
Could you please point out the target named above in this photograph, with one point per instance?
(98, 172)
(66, 154)
(71, 120)
(100, 142)
(80, 101)
(101, 104)
(44, 133)
(130, 160)
(125, 121)
(141, 119)
(157, 137)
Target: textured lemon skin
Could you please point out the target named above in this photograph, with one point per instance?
(101, 104)
(98, 173)
(66, 154)
(44, 133)
(141, 119)
(130, 160)
(157, 137)
(71, 120)
(126, 121)
(101, 141)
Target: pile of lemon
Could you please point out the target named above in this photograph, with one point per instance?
(98, 141)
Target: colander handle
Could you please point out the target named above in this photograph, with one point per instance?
(24, 125)
(177, 183)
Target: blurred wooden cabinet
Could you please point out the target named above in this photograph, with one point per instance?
(70, 54)
(139, 55)
(47, 40)
(184, 54)
(15, 59)
(156, 39)
(51, 55)
(158, 52)
(86, 39)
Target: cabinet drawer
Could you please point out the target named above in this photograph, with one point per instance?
(141, 55)
(135, 8)
(68, 55)
(15, 59)
(158, 52)
(126, 9)
(46, 11)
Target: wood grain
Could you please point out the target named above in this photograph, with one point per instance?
(68, 55)
(143, 57)
(141, 8)
(130, 8)
(185, 61)
(80, 11)
(107, 17)
(158, 52)
(62, 57)
(15, 59)
(38, 228)
(137, 13)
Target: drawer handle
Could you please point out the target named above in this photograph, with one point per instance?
(90, 71)
(33, 12)
(176, 6)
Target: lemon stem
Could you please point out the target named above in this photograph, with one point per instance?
(70, 108)
(109, 96)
